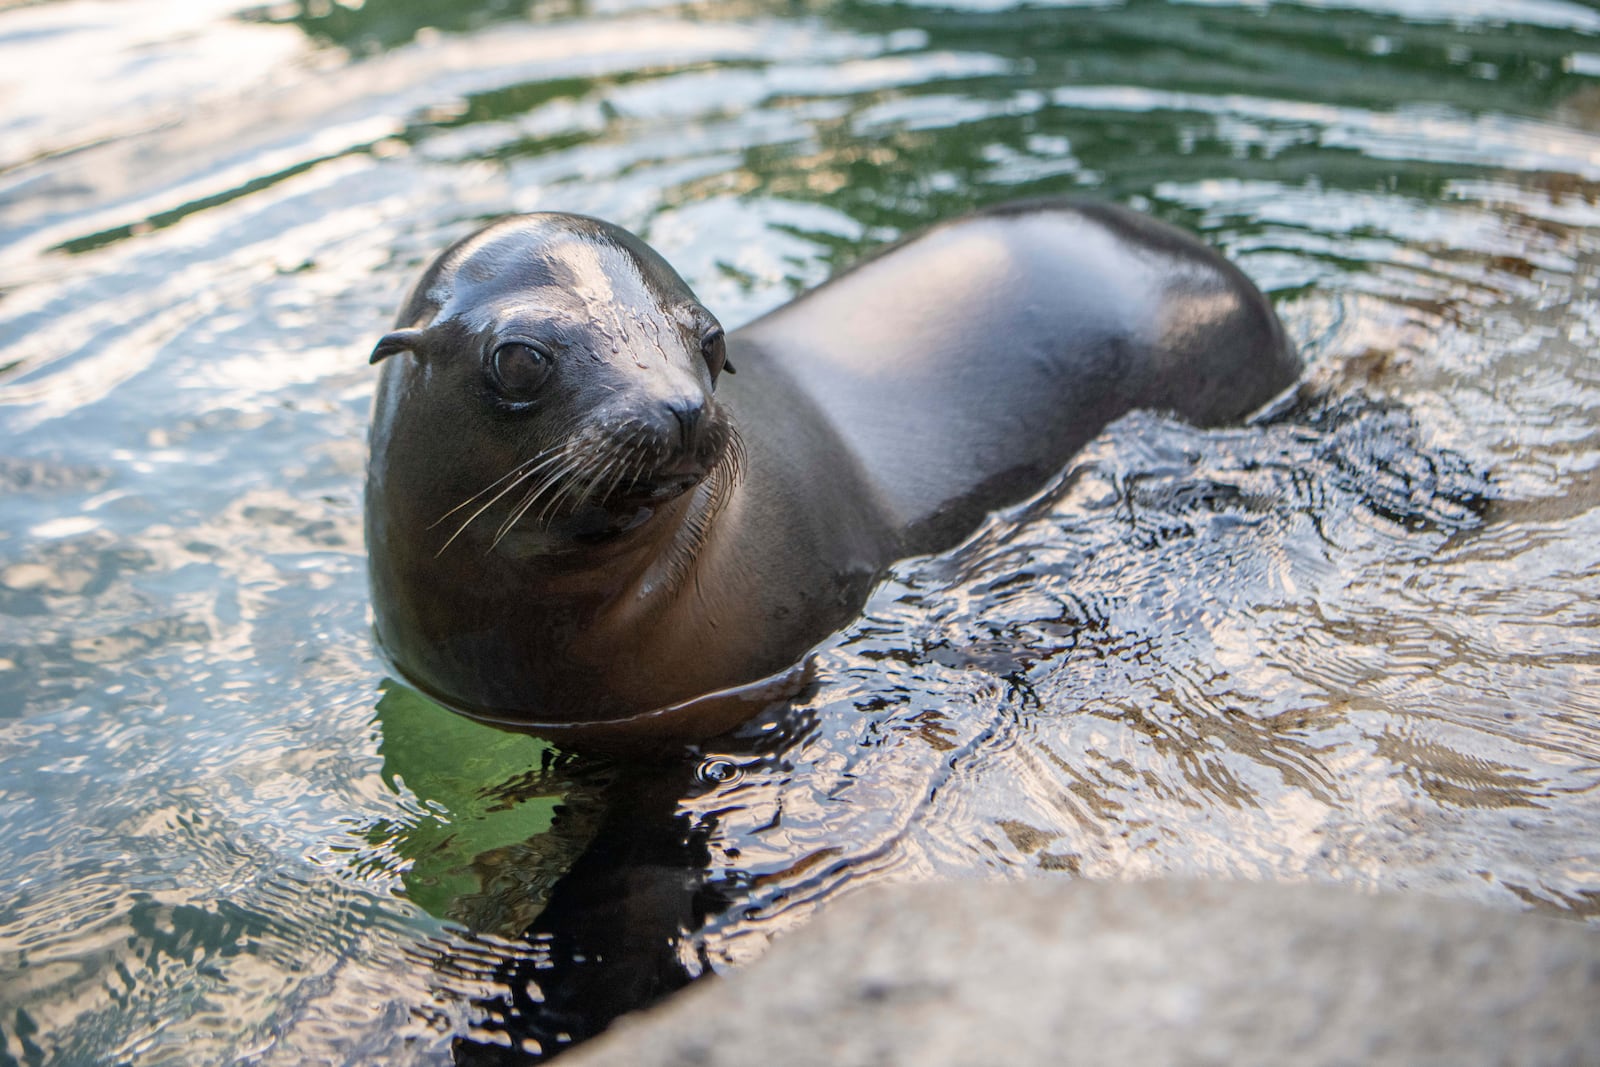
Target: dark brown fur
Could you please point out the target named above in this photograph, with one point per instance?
(680, 555)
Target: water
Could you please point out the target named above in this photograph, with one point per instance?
(1355, 641)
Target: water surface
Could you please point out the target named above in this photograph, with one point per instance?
(1354, 641)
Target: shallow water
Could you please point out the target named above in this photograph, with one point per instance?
(1355, 641)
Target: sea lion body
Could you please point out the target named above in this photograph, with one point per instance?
(878, 416)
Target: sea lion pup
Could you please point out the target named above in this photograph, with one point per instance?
(592, 516)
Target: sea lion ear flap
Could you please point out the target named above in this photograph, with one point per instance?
(398, 341)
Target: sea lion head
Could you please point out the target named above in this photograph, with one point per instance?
(549, 387)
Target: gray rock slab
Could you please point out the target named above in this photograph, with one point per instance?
(1019, 974)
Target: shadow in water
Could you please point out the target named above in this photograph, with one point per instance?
(615, 934)
(595, 871)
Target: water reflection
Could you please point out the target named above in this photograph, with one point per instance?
(1354, 642)
(443, 767)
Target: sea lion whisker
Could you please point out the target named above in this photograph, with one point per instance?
(628, 456)
(524, 476)
(517, 512)
(569, 492)
(591, 488)
(549, 469)
(604, 476)
(514, 473)
(551, 479)
(562, 477)
(635, 456)
(513, 476)
(619, 475)
(486, 506)
(641, 463)
(517, 474)
(526, 502)
(555, 464)
(734, 452)
(585, 489)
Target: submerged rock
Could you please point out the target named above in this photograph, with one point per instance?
(1143, 972)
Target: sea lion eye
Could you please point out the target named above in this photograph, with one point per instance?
(714, 347)
(519, 368)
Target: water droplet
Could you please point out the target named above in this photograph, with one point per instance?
(716, 770)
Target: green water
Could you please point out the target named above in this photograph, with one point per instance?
(1354, 642)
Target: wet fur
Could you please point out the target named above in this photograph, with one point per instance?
(568, 562)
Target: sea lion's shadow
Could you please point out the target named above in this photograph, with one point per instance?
(616, 934)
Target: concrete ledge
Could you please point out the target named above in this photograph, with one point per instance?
(1138, 973)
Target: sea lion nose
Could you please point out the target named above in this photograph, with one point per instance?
(688, 412)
